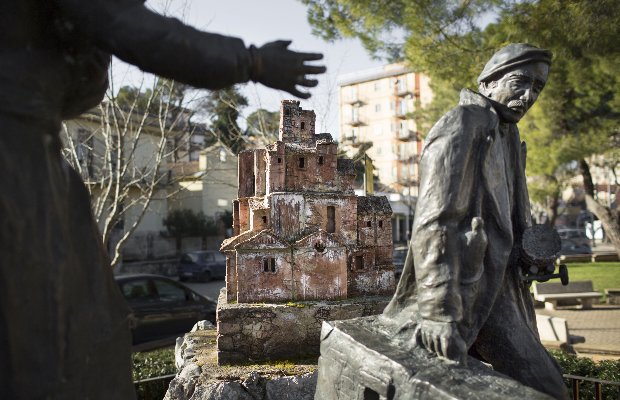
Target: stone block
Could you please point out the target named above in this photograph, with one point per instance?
(280, 331)
(358, 361)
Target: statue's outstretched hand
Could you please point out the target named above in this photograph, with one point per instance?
(276, 66)
(443, 339)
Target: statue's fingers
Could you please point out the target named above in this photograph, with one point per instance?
(308, 82)
(437, 346)
(312, 69)
(301, 95)
(311, 56)
(445, 347)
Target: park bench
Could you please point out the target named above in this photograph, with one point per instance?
(551, 292)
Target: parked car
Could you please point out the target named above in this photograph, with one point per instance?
(570, 247)
(576, 235)
(162, 307)
(202, 265)
(399, 255)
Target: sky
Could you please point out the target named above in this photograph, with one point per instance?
(260, 22)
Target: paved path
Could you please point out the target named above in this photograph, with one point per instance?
(600, 325)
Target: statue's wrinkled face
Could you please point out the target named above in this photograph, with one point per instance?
(518, 89)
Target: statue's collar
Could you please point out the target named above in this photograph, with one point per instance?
(468, 96)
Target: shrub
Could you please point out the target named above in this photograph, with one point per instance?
(573, 365)
(151, 365)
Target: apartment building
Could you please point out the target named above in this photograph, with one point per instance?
(375, 107)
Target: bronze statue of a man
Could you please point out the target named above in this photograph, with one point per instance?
(460, 284)
(64, 329)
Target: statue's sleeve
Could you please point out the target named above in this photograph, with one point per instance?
(160, 45)
(448, 189)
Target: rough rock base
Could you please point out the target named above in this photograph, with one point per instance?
(260, 332)
(201, 378)
(359, 361)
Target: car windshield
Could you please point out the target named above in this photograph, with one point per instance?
(189, 258)
(169, 292)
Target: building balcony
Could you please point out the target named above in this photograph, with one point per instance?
(352, 141)
(355, 122)
(402, 92)
(407, 158)
(354, 101)
(404, 135)
(400, 114)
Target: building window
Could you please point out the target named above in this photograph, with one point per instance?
(378, 129)
(368, 224)
(303, 125)
(377, 86)
(359, 262)
(380, 224)
(269, 263)
(302, 162)
(279, 160)
(264, 219)
(395, 172)
(331, 219)
(287, 112)
(393, 127)
(320, 160)
(378, 150)
(378, 108)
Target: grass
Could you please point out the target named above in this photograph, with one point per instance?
(604, 275)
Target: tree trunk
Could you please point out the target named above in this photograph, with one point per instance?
(552, 211)
(608, 218)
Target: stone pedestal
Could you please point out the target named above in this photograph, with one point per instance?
(359, 361)
(258, 332)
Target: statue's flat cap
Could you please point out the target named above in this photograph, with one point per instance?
(512, 55)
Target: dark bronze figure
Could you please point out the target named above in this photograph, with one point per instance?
(462, 296)
(462, 273)
(63, 323)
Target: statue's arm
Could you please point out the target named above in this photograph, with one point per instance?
(446, 192)
(167, 47)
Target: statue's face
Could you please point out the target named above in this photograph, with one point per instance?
(518, 89)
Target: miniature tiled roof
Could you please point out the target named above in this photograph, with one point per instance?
(323, 138)
(300, 148)
(346, 166)
(257, 204)
(230, 243)
(373, 204)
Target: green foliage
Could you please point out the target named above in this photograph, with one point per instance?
(225, 106)
(264, 125)
(151, 365)
(184, 223)
(580, 366)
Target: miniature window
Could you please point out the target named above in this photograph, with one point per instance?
(279, 160)
(269, 263)
(302, 162)
(320, 160)
(380, 224)
(331, 219)
(320, 247)
(303, 125)
(359, 262)
(287, 111)
(264, 219)
(368, 224)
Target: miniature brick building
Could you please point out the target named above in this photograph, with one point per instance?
(301, 233)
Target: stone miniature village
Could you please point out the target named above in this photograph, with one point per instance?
(306, 248)
(301, 233)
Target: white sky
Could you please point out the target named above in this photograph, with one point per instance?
(259, 22)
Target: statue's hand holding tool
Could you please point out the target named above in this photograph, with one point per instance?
(443, 339)
(277, 67)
